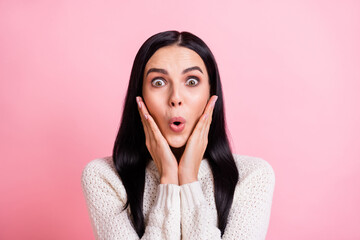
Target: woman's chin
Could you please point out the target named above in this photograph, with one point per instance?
(177, 142)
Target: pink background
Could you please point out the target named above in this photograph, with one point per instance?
(291, 78)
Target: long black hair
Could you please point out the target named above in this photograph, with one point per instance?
(130, 154)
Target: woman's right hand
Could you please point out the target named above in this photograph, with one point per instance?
(158, 147)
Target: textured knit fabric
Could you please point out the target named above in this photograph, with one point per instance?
(180, 212)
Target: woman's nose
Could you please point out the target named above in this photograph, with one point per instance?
(175, 103)
(175, 98)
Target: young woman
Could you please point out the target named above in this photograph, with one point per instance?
(172, 174)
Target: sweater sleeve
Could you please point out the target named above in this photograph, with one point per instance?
(110, 222)
(249, 214)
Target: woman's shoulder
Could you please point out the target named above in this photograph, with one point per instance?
(99, 166)
(249, 166)
(101, 173)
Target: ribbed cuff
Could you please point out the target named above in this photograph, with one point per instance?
(191, 195)
(168, 196)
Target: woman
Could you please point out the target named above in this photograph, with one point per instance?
(172, 174)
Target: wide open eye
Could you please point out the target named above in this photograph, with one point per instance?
(158, 82)
(192, 81)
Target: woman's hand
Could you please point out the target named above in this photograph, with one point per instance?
(196, 145)
(158, 147)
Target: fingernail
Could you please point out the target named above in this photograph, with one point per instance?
(146, 116)
(206, 116)
(214, 101)
(138, 101)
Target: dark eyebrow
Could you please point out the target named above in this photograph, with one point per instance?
(160, 70)
(191, 69)
(163, 71)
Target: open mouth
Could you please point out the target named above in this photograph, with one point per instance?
(177, 123)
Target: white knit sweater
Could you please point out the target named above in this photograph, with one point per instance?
(180, 212)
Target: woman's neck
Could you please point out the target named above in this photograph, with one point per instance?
(178, 152)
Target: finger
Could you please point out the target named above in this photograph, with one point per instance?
(151, 124)
(210, 106)
(204, 119)
(142, 108)
(142, 117)
(210, 113)
(149, 134)
(205, 126)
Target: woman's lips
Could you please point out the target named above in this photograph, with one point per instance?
(179, 127)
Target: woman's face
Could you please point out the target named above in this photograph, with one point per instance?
(175, 84)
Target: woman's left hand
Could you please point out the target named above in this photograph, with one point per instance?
(196, 145)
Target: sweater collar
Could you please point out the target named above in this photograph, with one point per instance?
(203, 170)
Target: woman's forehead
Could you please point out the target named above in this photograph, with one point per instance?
(173, 57)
